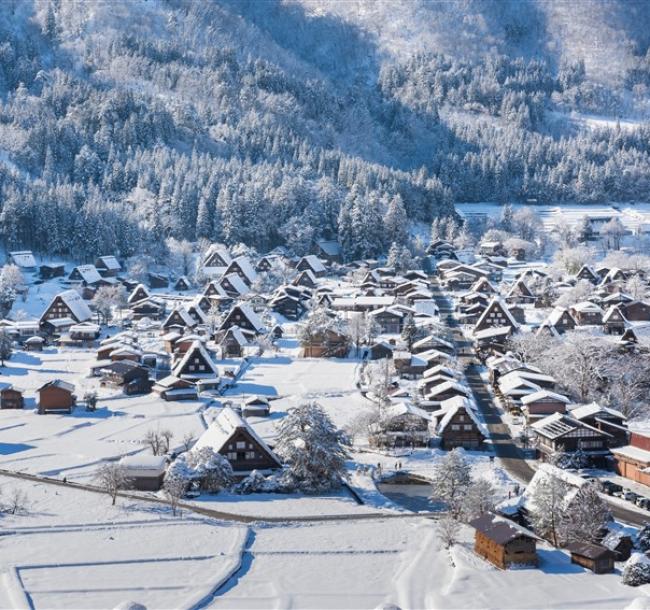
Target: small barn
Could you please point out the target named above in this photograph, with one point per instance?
(504, 543)
(145, 472)
(10, 397)
(594, 557)
(56, 396)
(232, 437)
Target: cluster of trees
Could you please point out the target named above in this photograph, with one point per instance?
(517, 157)
(589, 367)
(176, 135)
(561, 516)
(466, 497)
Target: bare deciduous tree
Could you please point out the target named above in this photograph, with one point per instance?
(158, 441)
(111, 478)
(174, 488)
(448, 529)
(16, 503)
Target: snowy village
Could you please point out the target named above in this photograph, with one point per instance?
(480, 409)
(324, 304)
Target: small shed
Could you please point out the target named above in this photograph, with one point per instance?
(503, 542)
(56, 396)
(34, 344)
(10, 397)
(145, 472)
(256, 406)
(594, 557)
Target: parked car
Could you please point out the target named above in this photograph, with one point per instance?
(643, 503)
(630, 496)
(611, 488)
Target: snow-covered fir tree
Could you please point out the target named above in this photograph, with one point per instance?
(311, 446)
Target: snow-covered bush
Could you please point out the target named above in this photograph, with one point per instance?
(256, 482)
(209, 469)
(637, 570)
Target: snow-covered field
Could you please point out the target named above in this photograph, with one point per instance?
(635, 217)
(74, 550)
(73, 445)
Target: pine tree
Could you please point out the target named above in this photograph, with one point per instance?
(6, 346)
(203, 224)
(409, 331)
(396, 222)
(436, 233)
(506, 220)
(311, 447)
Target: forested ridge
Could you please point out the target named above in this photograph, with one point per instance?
(125, 123)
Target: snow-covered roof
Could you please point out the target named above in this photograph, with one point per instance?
(237, 335)
(330, 247)
(252, 317)
(196, 347)
(451, 406)
(446, 386)
(509, 383)
(496, 331)
(559, 424)
(494, 303)
(221, 430)
(369, 301)
(137, 289)
(111, 263)
(236, 282)
(633, 453)
(441, 369)
(587, 307)
(185, 315)
(23, 258)
(58, 383)
(593, 409)
(546, 471)
(88, 273)
(144, 465)
(541, 395)
(314, 263)
(221, 251)
(613, 310)
(246, 268)
(75, 303)
(391, 310)
(555, 316)
(404, 407)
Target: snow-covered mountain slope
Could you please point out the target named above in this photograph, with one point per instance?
(605, 33)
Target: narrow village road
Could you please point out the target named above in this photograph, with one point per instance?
(505, 448)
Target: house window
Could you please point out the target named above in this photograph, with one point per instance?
(232, 456)
(191, 367)
(241, 445)
(250, 455)
(455, 427)
(467, 427)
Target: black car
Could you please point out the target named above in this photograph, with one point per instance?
(610, 488)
